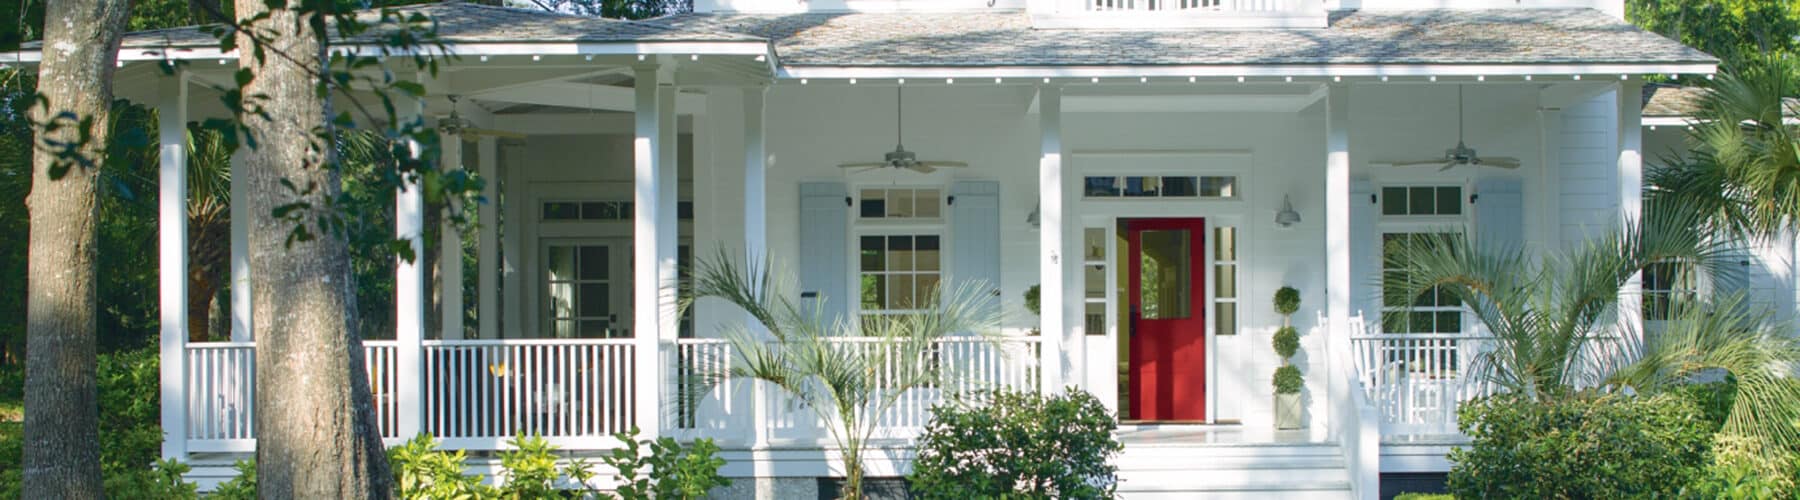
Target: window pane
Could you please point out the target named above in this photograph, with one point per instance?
(591, 210)
(874, 292)
(562, 329)
(1225, 243)
(1095, 278)
(1393, 201)
(1093, 243)
(594, 262)
(874, 203)
(1164, 286)
(900, 292)
(1226, 283)
(873, 258)
(1221, 186)
(1421, 201)
(928, 203)
(1449, 322)
(684, 210)
(900, 203)
(562, 300)
(926, 290)
(899, 253)
(1179, 186)
(1225, 318)
(1449, 200)
(595, 328)
(562, 263)
(1420, 321)
(1096, 319)
(927, 256)
(1102, 187)
(561, 211)
(593, 299)
(1142, 186)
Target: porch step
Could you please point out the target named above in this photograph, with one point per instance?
(1155, 470)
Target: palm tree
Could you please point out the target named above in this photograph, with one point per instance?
(1556, 326)
(1743, 173)
(209, 225)
(806, 353)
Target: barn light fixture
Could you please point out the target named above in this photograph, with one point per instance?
(1287, 217)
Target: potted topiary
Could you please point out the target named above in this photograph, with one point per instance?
(1032, 304)
(1287, 378)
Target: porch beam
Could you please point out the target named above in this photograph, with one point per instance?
(172, 250)
(1050, 237)
(1337, 220)
(487, 244)
(583, 96)
(647, 254)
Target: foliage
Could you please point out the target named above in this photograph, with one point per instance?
(1740, 176)
(1286, 342)
(1287, 380)
(531, 470)
(240, 487)
(1007, 444)
(161, 482)
(1033, 300)
(1744, 469)
(1733, 30)
(1424, 496)
(1580, 445)
(616, 9)
(1287, 301)
(668, 471)
(840, 385)
(423, 472)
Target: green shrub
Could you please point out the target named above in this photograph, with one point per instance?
(667, 471)
(1287, 301)
(241, 487)
(423, 472)
(162, 481)
(1287, 380)
(1424, 496)
(1286, 342)
(531, 470)
(1017, 445)
(130, 417)
(1580, 446)
(1032, 300)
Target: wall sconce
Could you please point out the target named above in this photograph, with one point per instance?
(1287, 217)
(1032, 218)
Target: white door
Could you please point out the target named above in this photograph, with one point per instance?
(587, 288)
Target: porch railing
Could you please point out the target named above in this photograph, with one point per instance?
(477, 394)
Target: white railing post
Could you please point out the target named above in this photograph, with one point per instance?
(409, 303)
(172, 252)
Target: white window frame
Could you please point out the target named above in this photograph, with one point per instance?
(884, 227)
(1419, 224)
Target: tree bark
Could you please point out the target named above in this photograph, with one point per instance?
(315, 423)
(61, 448)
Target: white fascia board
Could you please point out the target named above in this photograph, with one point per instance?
(1232, 71)
(1666, 121)
(743, 48)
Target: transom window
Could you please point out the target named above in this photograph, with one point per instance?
(901, 203)
(899, 273)
(1164, 186)
(1668, 286)
(1434, 311)
(1421, 200)
(562, 211)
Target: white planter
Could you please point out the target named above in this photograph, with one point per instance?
(1287, 411)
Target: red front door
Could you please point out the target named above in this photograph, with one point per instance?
(1168, 325)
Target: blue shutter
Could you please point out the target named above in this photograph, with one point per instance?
(824, 247)
(1499, 212)
(975, 236)
(1365, 251)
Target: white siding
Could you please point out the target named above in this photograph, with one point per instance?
(1588, 174)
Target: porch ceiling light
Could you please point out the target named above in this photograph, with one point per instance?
(1287, 217)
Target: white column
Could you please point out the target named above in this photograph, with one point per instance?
(243, 326)
(513, 211)
(646, 249)
(172, 253)
(1050, 237)
(487, 244)
(450, 257)
(756, 227)
(409, 302)
(1337, 223)
(1631, 191)
(668, 220)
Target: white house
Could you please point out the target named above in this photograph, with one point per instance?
(1223, 148)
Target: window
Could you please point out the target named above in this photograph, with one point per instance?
(899, 273)
(901, 203)
(1668, 286)
(1094, 274)
(1421, 200)
(564, 211)
(1225, 267)
(581, 283)
(1167, 186)
(1434, 311)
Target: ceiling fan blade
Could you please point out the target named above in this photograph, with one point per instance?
(1421, 163)
(495, 133)
(872, 164)
(922, 167)
(1498, 162)
(945, 164)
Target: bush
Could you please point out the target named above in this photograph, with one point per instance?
(1287, 301)
(421, 471)
(130, 430)
(673, 473)
(242, 487)
(1424, 496)
(1287, 380)
(1017, 445)
(1286, 342)
(1580, 446)
(531, 469)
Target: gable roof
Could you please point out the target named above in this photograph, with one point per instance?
(1663, 100)
(1006, 38)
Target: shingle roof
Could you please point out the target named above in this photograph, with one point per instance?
(1664, 100)
(459, 22)
(1006, 38)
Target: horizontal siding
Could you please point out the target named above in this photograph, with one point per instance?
(1588, 177)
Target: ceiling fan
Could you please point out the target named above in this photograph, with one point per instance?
(900, 157)
(1462, 154)
(456, 125)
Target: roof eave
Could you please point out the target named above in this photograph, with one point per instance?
(1354, 70)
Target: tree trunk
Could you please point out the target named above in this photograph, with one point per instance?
(61, 448)
(315, 423)
(208, 251)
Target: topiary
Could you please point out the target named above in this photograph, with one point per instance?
(1287, 380)
(1287, 301)
(1286, 342)
(1031, 300)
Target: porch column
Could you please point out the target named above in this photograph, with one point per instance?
(487, 243)
(1337, 221)
(756, 233)
(243, 326)
(450, 257)
(1631, 191)
(648, 253)
(409, 302)
(1050, 238)
(172, 253)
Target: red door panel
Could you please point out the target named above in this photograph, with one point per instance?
(1168, 307)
